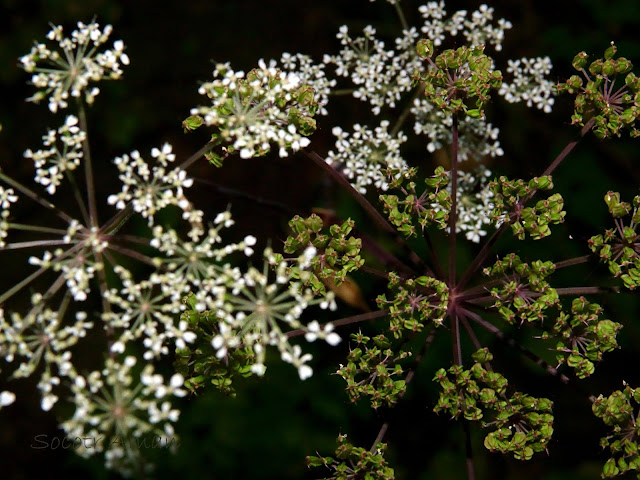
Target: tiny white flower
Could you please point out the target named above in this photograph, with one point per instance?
(305, 371)
(259, 369)
(7, 398)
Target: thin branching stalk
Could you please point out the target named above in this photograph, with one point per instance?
(78, 194)
(481, 256)
(434, 257)
(132, 254)
(405, 112)
(408, 379)
(586, 290)
(471, 469)
(365, 204)
(363, 317)
(568, 149)
(573, 261)
(33, 243)
(36, 228)
(255, 199)
(401, 17)
(512, 343)
(344, 183)
(196, 156)
(487, 247)
(382, 255)
(34, 196)
(88, 167)
(453, 215)
(26, 281)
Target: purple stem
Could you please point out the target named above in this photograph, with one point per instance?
(512, 343)
(344, 183)
(363, 317)
(573, 261)
(408, 379)
(364, 203)
(453, 215)
(482, 255)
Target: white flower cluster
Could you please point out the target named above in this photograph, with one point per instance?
(381, 76)
(253, 309)
(137, 315)
(529, 83)
(7, 197)
(252, 113)
(365, 155)
(69, 72)
(191, 263)
(151, 189)
(310, 74)
(117, 408)
(477, 138)
(148, 309)
(475, 203)
(477, 30)
(39, 339)
(63, 153)
(79, 263)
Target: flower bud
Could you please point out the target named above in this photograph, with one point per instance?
(580, 61)
(425, 48)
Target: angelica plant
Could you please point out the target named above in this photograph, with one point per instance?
(221, 313)
(96, 294)
(447, 92)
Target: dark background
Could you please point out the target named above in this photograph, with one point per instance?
(273, 423)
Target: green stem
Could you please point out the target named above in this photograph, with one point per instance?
(189, 161)
(343, 91)
(116, 222)
(33, 243)
(26, 281)
(34, 196)
(36, 228)
(132, 254)
(405, 112)
(20, 285)
(88, 167)
(102, 285)
(78, 195)
(401, 17)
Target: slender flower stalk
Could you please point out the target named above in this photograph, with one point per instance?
(454, 205)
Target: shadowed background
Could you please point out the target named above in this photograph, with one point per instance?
(273, 423)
